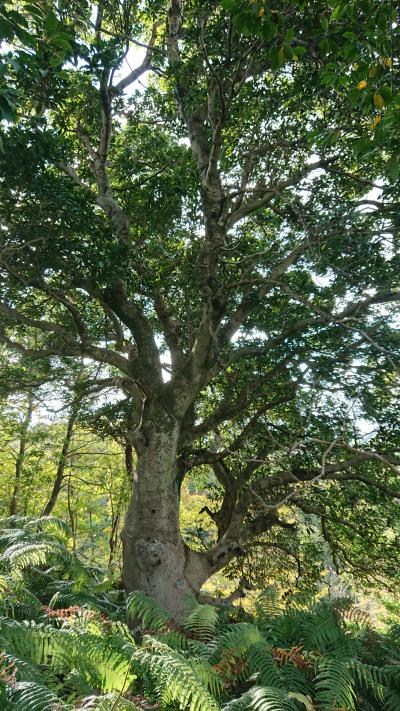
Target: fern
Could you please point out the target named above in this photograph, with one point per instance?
(335, 686)
(66, 646)
(30, 696)
(4, 585)
(103, 662)
(262, 698)
(23, 555)
(237, 640)
(202, 620)
(268, 604)
(52, 524)
(107, 702)
(262, 664)
(322, 630)
(296, 680)
(147, 610)
(179, 680)
(392, 700)
(24, 669)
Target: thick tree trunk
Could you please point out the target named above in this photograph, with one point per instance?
(19, 462)
(155, 558)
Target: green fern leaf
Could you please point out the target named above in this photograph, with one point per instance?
(335, 686)
(29, 696)
(268, 604)
(262, 698)
(147, 610)
(178, 680)
(108, 702)
(202, 620)
(261, 662)
(236, 640)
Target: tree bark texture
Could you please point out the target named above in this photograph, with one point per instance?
(155, 558)
(19, 462)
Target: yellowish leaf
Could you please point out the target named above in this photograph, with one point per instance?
(262, 11)
(388, 62)
(375, 122)
(379, 101)
(372, 71)
(362, 84)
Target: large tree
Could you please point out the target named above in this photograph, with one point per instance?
(202, 225)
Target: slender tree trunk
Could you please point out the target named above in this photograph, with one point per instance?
(129, 465)
(61, 464)
(116, 508)
(19, 462)
(71, 513)
(113, 540)
(155, 558)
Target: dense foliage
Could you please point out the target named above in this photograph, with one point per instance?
(65, 643)
(199, 223)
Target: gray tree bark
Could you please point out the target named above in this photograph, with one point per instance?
(156, 560)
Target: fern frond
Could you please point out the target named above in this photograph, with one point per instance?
(107, 702)
(321, 630)
(20, 604)
(143, 607)
(4, 584)
(180, 641)
(52, 524)
(202, 620)
(348, 612)
(369, 678)
(335, 686)
(237, 640)
(208, 675)
(23, 555)
(262, 698)
(25, 670)
(178, 680)
(392, 700)
(105, 662)
(296, 679)
(306, 701)
(261, 662)
(14, 521)
(268, 604)
(8, 535)
(29, 696)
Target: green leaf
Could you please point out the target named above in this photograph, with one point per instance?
(298, 50)
(393, 167)
(7, 108)
(229, 5)
(337, 12)
(51, 23)
(34, 9)
(6, 29)
(281, 55)
(325, 23)
(62, 40)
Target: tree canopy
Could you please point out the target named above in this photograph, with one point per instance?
(202, 199)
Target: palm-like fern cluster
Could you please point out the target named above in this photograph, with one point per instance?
(68, 641)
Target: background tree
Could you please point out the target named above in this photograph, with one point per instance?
(211, 241)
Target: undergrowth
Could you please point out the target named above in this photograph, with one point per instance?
(69, 640)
